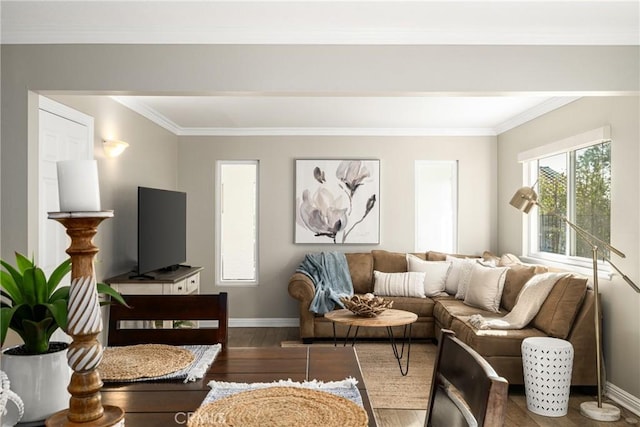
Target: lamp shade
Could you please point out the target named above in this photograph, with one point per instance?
(78, 186)
(524, 199)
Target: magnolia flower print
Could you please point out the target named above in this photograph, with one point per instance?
(318, 174)
(322, 213)
(371, 202)
(326, 213)
(352, 174)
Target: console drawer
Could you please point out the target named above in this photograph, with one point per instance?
(187, 286)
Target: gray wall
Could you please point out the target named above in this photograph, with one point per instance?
(283, 69)
(621, 305)
(279, 256)
(150, 161)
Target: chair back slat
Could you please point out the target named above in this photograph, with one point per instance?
(465, 380)
(211, 309)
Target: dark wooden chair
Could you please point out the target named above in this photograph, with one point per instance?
(203, 308)
(465, 389)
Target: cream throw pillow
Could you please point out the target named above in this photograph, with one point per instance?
(409, 284)
(485, 287)
(435, 274)
(459, 275)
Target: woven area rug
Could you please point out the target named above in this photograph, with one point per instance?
(281, 403)
(153, 362)
(386, 387)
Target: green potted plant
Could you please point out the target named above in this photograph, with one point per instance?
(35, 306)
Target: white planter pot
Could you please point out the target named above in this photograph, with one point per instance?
(41, 382)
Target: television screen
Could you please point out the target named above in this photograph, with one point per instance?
(162, 229)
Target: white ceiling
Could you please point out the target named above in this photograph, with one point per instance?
(329, 22)
(590, 22)
(282, 115)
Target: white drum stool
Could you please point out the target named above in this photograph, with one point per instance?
(547, 364)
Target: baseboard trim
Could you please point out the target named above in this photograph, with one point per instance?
(273, 322)
(623, 398)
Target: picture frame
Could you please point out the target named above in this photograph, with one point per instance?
(337, 201)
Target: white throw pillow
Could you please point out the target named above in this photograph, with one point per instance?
(409, 284)
(465, 278)
(435, 274)
(485, 287)
(458, 274)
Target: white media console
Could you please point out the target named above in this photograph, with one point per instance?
(184, 280)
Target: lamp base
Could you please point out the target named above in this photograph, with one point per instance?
(607, 412)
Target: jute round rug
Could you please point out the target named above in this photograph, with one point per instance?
(142, 361)
(385, 386)
(280, 406)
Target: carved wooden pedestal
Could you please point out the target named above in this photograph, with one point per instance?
(84, 326)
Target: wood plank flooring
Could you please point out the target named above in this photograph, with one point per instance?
(517, 413)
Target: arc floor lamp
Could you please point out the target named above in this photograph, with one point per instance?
(524, 199)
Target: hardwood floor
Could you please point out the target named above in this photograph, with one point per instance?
(517, 413)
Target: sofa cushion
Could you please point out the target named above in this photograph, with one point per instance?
(407, 284)
(436, 256)
(441, 256)
(423, 307)
(509, 260)
(435, 274)
(448, 308)
(559, 310)
(490, 258)
(493, 342)
(485, 287)
(517, 276)
(389, 262)
(361, 270)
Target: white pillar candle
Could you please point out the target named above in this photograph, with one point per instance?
(78, 187)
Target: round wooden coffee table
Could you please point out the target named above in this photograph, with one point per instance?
(387, 319)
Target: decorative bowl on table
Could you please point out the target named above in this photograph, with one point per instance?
(367, 305)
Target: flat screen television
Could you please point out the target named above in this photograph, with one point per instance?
(162, 229)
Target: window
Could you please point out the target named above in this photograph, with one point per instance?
(436, 198)
(574, 183)
(237, 222)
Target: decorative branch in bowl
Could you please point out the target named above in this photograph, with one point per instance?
(367, 305)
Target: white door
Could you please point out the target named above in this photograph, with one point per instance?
(64, 134)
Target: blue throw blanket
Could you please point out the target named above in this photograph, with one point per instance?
(330, 273)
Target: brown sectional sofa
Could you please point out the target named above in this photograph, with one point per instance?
(567, 313)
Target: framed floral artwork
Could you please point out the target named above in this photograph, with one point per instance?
(337, 201)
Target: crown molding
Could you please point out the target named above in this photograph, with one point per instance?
(335, 36)
(341, 131)
(148, 112)
(532, 113)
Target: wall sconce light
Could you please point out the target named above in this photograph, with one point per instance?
(113, 148)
